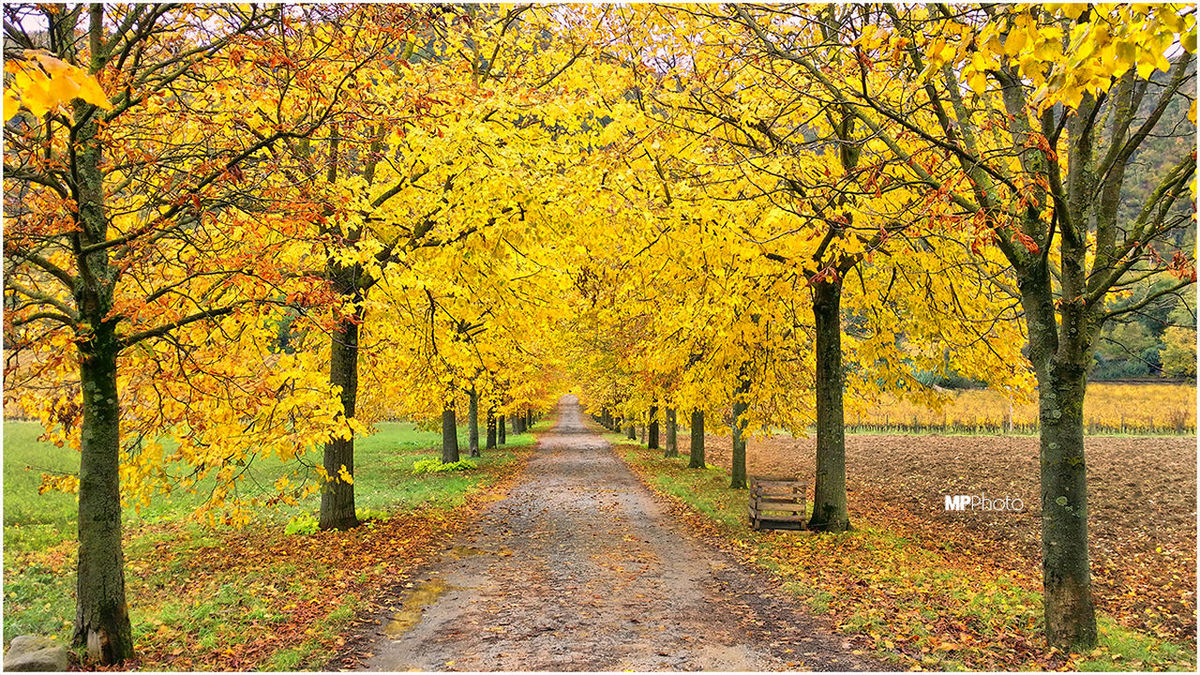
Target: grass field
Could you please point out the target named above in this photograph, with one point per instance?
(918, 601)
(1111, 408)
(195, 592)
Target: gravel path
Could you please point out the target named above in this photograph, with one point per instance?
(581, 568)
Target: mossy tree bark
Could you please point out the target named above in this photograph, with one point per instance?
(1061, 357)
(672, 445)
(697, 447)
(337, 495)
(449, 436)
(102, 615)
(830, 513)
(652, 429)
(737, 472)
(491, 429)
(473, 422)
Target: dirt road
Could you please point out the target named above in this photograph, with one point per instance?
(581, 568)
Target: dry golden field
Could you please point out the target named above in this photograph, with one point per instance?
(1108, 408)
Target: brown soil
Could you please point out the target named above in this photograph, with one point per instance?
(1142, 500)
(582, 568)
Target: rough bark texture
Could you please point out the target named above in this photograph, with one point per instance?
(652, 429)
(697, 447)
(337, 495)
(830, 513)
(449, 436)
(672, 449)
(1060, 365)
(737, 472)
(491, 430)
(102, 616)
(502, 429)
(473, 422)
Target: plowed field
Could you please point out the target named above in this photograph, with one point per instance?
(1142, 500)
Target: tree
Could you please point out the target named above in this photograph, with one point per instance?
(473, 421)
(1074, 87)
(1179, 355)
(756, 167)
(141, 232)
(696, 451)
(672, 445)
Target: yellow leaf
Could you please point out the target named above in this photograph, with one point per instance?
(1073, 10)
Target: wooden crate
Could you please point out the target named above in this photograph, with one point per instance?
(777, 504)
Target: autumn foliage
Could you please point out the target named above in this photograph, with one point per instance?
(242, 233)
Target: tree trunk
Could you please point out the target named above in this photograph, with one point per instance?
(337, 497)
(632, 433)
(528, 419)
(737, 473)
(672, 435)
(473, 422)
(652, 429)
(449, 436)
(502, 429)
(1060, 361)
(102, 615)
(830, 511)
(491, 429)
(696, 460)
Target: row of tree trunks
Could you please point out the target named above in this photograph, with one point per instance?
(696, 449)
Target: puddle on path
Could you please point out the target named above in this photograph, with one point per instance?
(422, 595)
(460, 552)
(425, 594)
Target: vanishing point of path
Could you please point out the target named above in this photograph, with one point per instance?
(582, 568)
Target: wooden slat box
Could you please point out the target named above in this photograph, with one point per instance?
(777, 504)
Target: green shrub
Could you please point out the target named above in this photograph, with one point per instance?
(365, 515)
(305, 523)
(436, 466)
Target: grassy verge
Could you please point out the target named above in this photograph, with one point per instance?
(917, 606)
(205, 599)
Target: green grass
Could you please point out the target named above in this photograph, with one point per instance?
(382, 480)
(40, 531)
(1124, 649)
(917, 585)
